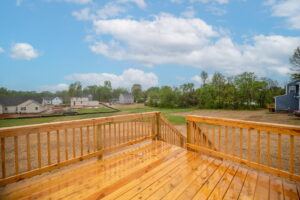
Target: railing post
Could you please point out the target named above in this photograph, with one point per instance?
(188, 133)
(158, 125)
(98, 139)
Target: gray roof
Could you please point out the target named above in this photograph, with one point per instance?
(14, 101)
(294, 82)
(127, 95)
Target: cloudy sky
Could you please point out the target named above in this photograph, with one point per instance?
(47, 44)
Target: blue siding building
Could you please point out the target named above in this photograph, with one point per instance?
(289, 101)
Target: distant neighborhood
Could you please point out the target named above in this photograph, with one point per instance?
(27, 105)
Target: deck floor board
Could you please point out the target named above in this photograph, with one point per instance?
(153, 171)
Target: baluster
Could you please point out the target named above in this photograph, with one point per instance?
(268, 149)
(115, 134)
(66, 144)
(258, 146)
(226, 139)
(16, 154)
(135, 134)
(197, 135)
(104, 136)
(109, 135)
(279, 151)
(3, 157)
(207, 134)
(81, 142)
(241, 143)
(201, 136)
(58, 146)
(233, 140)
(219, 132)
(28, 153)
(95, 137)
(49, 148)
(131, 131)
(88, 139)
(291, 154)
(119, 133)
(123, 132)
(249, 144)
(39, 150)
(73, 143)
(213, 137)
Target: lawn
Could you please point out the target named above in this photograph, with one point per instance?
(124, 110)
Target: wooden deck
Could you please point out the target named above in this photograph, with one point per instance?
(153, 171)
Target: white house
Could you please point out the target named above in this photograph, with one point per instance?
(126, 99)
(56, 101)
(83, 101)
(21, 105)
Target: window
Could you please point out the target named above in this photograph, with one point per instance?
(36, 108)
(23, 108)
(292, 89)
(5, 108)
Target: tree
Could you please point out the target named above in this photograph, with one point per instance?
(136, 91)
(204, 76)
(295, 61)
(75, 89)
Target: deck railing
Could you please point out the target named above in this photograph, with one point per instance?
(269, 147)
(30, 150)
(168, 133)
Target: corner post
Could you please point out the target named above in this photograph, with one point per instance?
(188, 133)
(158, 125)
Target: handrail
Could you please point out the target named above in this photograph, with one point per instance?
(170, 134)
(34, 149)
(240, 141)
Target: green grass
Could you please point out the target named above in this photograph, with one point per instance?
(19, 122)
(165, 111)
(176, 119)
(94, 110)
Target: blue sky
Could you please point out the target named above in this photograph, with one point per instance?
(47, 44)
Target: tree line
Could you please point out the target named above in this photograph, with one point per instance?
(243, 91)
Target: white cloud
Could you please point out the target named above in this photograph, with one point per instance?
(211, 1)
(216, 10)
(58, 87)
(191, 42)
(289, 9)
(197, 79)
(79, 1)
(83, 14)
(23, 51)
(1, 50)
(189, 12)
(125, 80)
(139, 3)
(110, 10)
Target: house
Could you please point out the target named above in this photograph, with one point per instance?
(126, 98)
(20, 105)
(56, 101)
(83, 101)
(289, 101)
(47, 100)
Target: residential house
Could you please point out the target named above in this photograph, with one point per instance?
(289, 101)
(20, 105)
(56, 101)
(83, 101)
(126, 99)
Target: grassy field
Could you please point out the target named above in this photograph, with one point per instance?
(174, 115)
(124, 110)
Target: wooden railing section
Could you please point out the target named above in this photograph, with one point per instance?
(168, 133)
(264, 146)
(30, 150)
